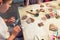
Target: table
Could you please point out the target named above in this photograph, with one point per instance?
(32, 31)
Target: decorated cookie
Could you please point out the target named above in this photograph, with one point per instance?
(44, 18)
(24, 17)
(50, 9)
(37, 10)
(52, 14)
(48, 16)
(30, 20)
(40, 24)
(52, 27)
(57, 16)
(42, 10)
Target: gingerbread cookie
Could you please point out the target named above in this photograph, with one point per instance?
(24, 17)
(57, 16)
(52, 15)
(48, 16)
(30, 20)
(40, 24)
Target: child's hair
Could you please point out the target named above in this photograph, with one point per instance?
(0, 0)
(5, 1)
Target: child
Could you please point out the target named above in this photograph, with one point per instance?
(5, 5)
(4, 34)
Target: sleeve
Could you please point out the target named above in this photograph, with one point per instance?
(3, 29)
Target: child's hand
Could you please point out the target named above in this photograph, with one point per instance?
(10, 20)
(15, 32)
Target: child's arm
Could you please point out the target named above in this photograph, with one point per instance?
(15, 32)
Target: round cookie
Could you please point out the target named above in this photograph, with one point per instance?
(24, 17)
(30, 20)
(52, 27)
